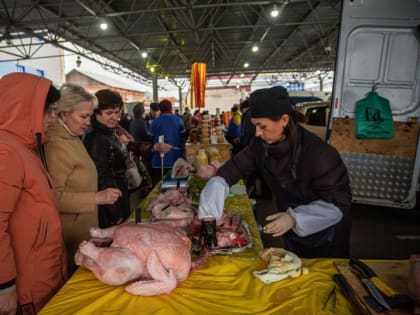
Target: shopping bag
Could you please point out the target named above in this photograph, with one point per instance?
(134, 177)
(374, 118)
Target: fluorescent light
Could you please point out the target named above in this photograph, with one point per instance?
(103, 26)
(246, 65)
(144, 54)
(275, 12)
(254, 48)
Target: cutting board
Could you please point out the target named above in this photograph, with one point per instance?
(393, 273)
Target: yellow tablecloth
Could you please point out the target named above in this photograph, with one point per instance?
(225, 285)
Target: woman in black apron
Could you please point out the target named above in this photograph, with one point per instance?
(307, 177)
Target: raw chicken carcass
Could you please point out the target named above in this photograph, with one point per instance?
(155, 255)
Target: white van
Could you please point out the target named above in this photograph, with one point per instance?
(379, 48)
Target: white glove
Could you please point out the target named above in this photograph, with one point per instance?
(212, 198)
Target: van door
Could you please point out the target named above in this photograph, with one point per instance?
(379, 48)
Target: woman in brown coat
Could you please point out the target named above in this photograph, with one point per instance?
(74, 174)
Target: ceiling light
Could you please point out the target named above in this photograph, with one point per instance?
(274, 12)
(166, 77)
(242, 75)
(152, 69)
(254, 48)
(246, 65)
(144, 54)
(103, 26)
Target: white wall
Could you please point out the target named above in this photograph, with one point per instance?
(47, 58)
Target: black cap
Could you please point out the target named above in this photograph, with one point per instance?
(270, 103)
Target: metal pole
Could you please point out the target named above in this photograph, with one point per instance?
(180, 99)
(155, 87)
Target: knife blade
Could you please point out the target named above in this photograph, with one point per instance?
(363, 274)
(351, 296)
(381, 285)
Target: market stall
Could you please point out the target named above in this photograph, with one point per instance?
(225, 285)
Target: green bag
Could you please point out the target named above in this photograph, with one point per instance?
(374, 118)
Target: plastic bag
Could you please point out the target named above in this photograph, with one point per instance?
(134, 178)
(374, 118)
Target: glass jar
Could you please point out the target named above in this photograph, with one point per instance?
(201, 158)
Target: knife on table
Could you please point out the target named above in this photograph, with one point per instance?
(381, 285)
(357, 304)
(365, 273)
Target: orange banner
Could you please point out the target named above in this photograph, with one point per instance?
(198, 84)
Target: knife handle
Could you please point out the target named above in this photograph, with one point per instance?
(351, 296)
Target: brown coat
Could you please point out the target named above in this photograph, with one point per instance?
(31, 246)
(75, 182)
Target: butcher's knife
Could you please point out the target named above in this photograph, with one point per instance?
(162, 156)
(381, 285)
(351, 296)
(363, 274)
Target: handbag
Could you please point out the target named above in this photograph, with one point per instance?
(133, 175)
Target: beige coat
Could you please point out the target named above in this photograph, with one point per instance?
(75, 182)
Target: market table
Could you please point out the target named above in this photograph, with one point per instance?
(225, 285)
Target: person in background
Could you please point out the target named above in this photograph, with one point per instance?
(153, 114)
(177, 113)
(32, 253)
(143, 144)
(107, 152)
(187, 120)
(125, 120)
(74, 174)
(172, 129)
(196, 119)
(247, 133)
(233, 134)
(306, 175)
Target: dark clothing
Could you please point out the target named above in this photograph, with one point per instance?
(138, 129)
(142, 147)
(125, 123)
(109, 159)
(247, 129)
(318, 174)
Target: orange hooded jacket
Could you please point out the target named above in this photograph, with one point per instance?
(31, 247)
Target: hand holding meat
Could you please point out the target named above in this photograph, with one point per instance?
(280, 223)
(108, 196)
(208, 170)
(8, 302)
(208, 233)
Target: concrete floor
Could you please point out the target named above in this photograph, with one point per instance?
(377, 232)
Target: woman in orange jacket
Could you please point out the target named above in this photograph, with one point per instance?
(32, 254)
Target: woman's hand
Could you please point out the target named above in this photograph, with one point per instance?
(123, 139)
(209, 170)
(8, 302)
(280, 223)
(108, 196)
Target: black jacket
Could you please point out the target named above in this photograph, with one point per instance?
(109, 159)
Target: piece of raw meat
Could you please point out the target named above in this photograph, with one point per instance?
(153, 254)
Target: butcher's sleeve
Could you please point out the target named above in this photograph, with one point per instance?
(212, 198)
(314, 217)
(11, 179)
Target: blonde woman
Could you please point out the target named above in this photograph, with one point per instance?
(74, 174)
